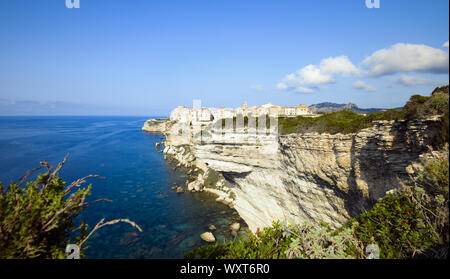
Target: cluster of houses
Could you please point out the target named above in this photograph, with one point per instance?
(202, 115)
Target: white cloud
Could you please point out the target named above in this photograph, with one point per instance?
(363, 86)
(307, 76)
(257, 87)
(303, 90)
(407, 58)
(338, 65)
(445, 44)
(282, 86)
(313, 76)
(413, 81)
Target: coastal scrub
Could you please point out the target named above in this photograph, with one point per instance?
(37, 217)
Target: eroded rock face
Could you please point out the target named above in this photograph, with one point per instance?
(155, 125)
(308, 177)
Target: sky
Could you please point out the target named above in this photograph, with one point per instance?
(145, 57)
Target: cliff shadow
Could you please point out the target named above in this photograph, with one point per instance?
(232, 176)
(381, 165)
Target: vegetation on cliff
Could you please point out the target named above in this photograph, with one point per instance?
(347, 121)
(408, 223)
(413, 221)
(37, 219)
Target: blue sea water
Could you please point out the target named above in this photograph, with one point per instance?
(138, 181)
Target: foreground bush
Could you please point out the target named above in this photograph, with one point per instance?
(414, 220)
(37, 220)
(281, 241)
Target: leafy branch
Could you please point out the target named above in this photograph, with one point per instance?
(37, 219)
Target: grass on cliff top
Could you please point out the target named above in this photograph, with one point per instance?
(347, 121)
(344, 122)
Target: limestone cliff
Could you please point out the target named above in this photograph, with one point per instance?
(302, 177)
(155, 125)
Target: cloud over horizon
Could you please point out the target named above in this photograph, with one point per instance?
(47, 108)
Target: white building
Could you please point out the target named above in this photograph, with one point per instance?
(264, 109)
(204, 115)
(296, 111)
(222, 113)
(181, 114)
(275, 111)
(289, 111)
(302, 110)
(253, 111)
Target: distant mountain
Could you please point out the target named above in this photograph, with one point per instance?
(328, 107)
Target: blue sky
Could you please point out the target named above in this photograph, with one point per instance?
(143, 57)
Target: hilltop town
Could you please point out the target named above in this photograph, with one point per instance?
(205, 115)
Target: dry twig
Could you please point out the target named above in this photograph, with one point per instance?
(78, 182)
(101, 224)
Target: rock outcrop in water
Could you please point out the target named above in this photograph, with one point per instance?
(301, 177)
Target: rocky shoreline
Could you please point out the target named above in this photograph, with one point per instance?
(201, 179)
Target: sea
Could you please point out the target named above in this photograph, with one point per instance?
(138, 181)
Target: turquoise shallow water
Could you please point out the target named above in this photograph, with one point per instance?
(138, 181)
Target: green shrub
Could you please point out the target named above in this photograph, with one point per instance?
(390, 114)
(422, 106)
(396, 226)
(435, 175)
(281, 241)
(345, 121)
(37, 220)
(267, 244)
(413, 220)
(28, 227)
(320, 242)
(414, 108)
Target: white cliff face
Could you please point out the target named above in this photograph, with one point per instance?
(307, 177)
